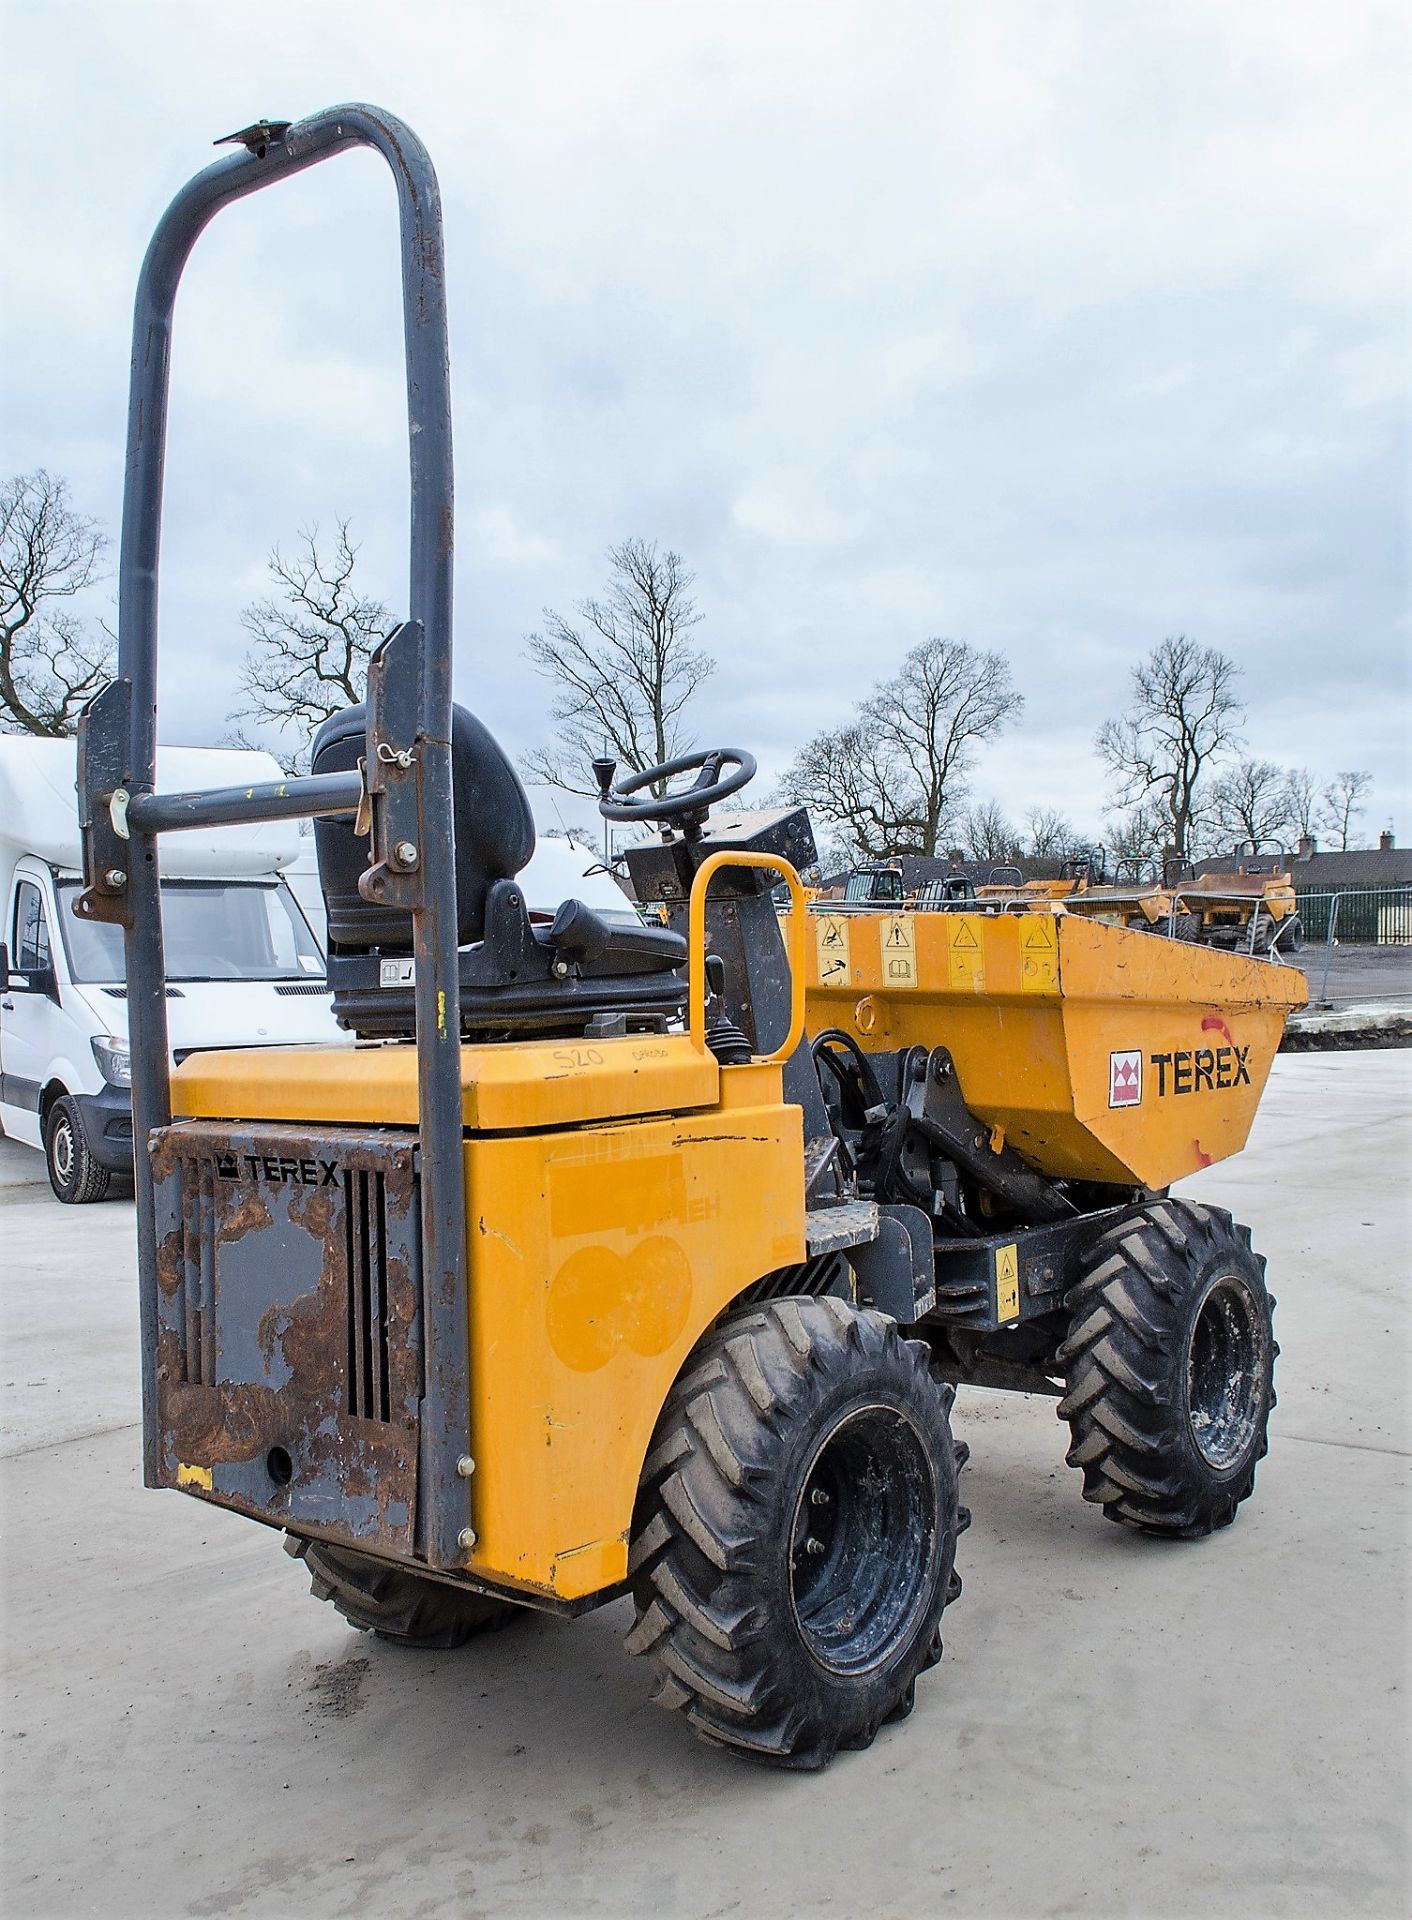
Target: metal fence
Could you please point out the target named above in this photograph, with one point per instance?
(1380, 916)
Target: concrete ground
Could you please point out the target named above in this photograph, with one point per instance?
(1119, 1727)
(1358, 974)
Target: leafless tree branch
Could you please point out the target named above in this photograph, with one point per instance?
(51, 662)
(1252, 803)
(891, 781)
(1184, 714)
(310, 645)
(625, 671)
(1342, 804)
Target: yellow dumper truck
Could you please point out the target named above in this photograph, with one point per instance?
(645, 1259)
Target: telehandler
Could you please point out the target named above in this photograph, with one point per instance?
(645, 1259)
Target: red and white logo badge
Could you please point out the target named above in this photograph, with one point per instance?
(1125, 1078)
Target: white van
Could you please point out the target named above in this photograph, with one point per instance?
(243, 965)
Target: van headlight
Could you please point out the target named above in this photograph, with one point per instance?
(114, 1059)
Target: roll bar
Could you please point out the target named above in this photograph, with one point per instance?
(408, 760)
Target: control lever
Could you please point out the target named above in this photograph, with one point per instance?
(723, 1036)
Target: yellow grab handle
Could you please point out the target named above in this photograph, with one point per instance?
(696, 945)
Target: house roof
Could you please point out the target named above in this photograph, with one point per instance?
(1361, 867)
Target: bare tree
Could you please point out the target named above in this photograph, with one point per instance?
(1252, 803)
(311, 642)
(1141, 831)
(1302, 790)
(891, 780)
(1184, 715)
(843, 777)
(625, 673)
(988, 832)
(1052, 835)
(1342, 803)
(51, 663)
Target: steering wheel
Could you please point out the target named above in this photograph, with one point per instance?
(626, 799)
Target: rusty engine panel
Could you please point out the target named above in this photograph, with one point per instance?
(289, 1364)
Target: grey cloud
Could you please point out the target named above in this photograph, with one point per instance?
(1054, 327)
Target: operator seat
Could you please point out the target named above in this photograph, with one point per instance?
(515, 976)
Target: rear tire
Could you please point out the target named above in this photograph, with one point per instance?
(795, 1536)
(1169, 1365)
(74, 1174)
(396, 1604)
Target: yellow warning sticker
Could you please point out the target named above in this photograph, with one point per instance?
(964, 953)
(1007, 1283)
(831, 947)
(1039, 954)
(897, 948)
(193, 1476)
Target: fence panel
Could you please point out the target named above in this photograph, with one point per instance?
(1379, 916)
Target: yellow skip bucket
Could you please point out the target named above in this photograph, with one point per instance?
(1096, 1052)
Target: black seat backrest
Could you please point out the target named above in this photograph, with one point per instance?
(492, 827)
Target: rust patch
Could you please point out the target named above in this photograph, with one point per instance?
(303, 1404)
(252, 1213)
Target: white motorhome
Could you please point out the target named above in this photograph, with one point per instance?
(243, 965)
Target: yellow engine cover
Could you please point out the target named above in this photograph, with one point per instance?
(619, 1195)
(598, 1257)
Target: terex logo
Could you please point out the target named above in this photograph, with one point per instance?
(1201, 1069)
(278, 1169)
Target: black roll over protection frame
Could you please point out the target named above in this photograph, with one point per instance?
(408, 762)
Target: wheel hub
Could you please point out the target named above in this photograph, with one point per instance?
(1223, 1375)
(62, 1148)
(863, 1540)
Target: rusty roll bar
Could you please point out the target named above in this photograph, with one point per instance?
(118, 741)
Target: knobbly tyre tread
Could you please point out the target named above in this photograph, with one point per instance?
(1124, 1360)
(701, 1539)
(396, 1604)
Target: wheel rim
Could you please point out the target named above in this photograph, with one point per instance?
(1223, 1374)
(863, 1540)
(61, 1150)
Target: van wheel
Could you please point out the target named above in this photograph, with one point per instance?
(395, 1603)
(795, 1535)
(74, 1174)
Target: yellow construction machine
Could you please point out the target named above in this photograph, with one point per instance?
(1252, 908)
(646, 1259)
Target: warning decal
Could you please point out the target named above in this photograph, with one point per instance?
(897, 948)
(1125, 1078)
(1007, 1283)
(831, 948)
(1039, 954)
(965, 955)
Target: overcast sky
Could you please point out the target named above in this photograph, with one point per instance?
(1053, 327)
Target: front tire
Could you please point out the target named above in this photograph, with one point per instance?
(74, 1174)
(795, 1536)
(1169, 1368)
(396, 1604)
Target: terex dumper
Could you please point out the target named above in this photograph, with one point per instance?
(624, 1258)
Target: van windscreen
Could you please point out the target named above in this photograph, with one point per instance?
(211, 930)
